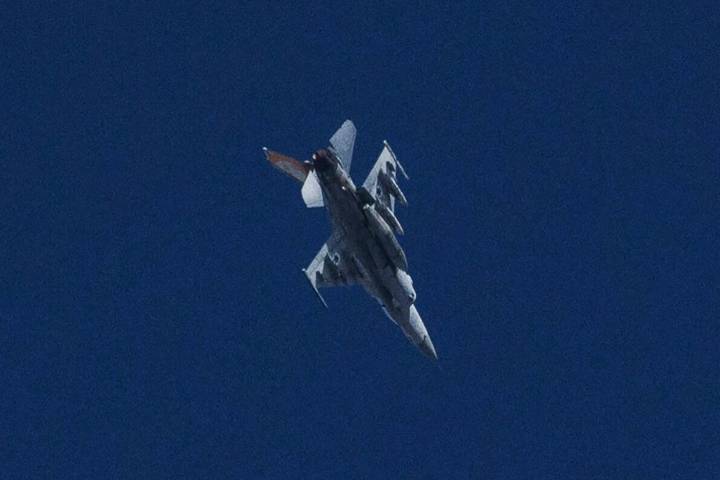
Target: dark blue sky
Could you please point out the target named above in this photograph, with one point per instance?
(562, 234)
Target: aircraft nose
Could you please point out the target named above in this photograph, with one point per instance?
(427, 347)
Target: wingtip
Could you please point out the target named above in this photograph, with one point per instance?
(317, 292)
(400, 167)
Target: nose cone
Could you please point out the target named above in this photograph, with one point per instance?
(427, 347)
(416, 332)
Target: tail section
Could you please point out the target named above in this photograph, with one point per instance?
(342, 143)
(300, 171)
(312, 192)
(288, 165)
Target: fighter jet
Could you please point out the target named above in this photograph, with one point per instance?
(362, 249)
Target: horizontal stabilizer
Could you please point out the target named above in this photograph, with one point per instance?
(312, 191)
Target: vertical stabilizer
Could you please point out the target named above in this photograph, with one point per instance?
(343, 143)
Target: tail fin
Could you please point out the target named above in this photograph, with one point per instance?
(302, 172)
(288, 165)
(343, 142)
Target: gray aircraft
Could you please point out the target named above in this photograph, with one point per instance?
(362, 248)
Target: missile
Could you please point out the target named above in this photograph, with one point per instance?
(389, 218)
(389, 183)
(386, 238)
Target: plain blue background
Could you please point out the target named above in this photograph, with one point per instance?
(562, 234)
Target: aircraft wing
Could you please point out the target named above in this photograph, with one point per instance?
(332, 267)
(381, 182)
(343, 143)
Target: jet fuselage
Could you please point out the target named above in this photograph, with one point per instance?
(386, 281)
